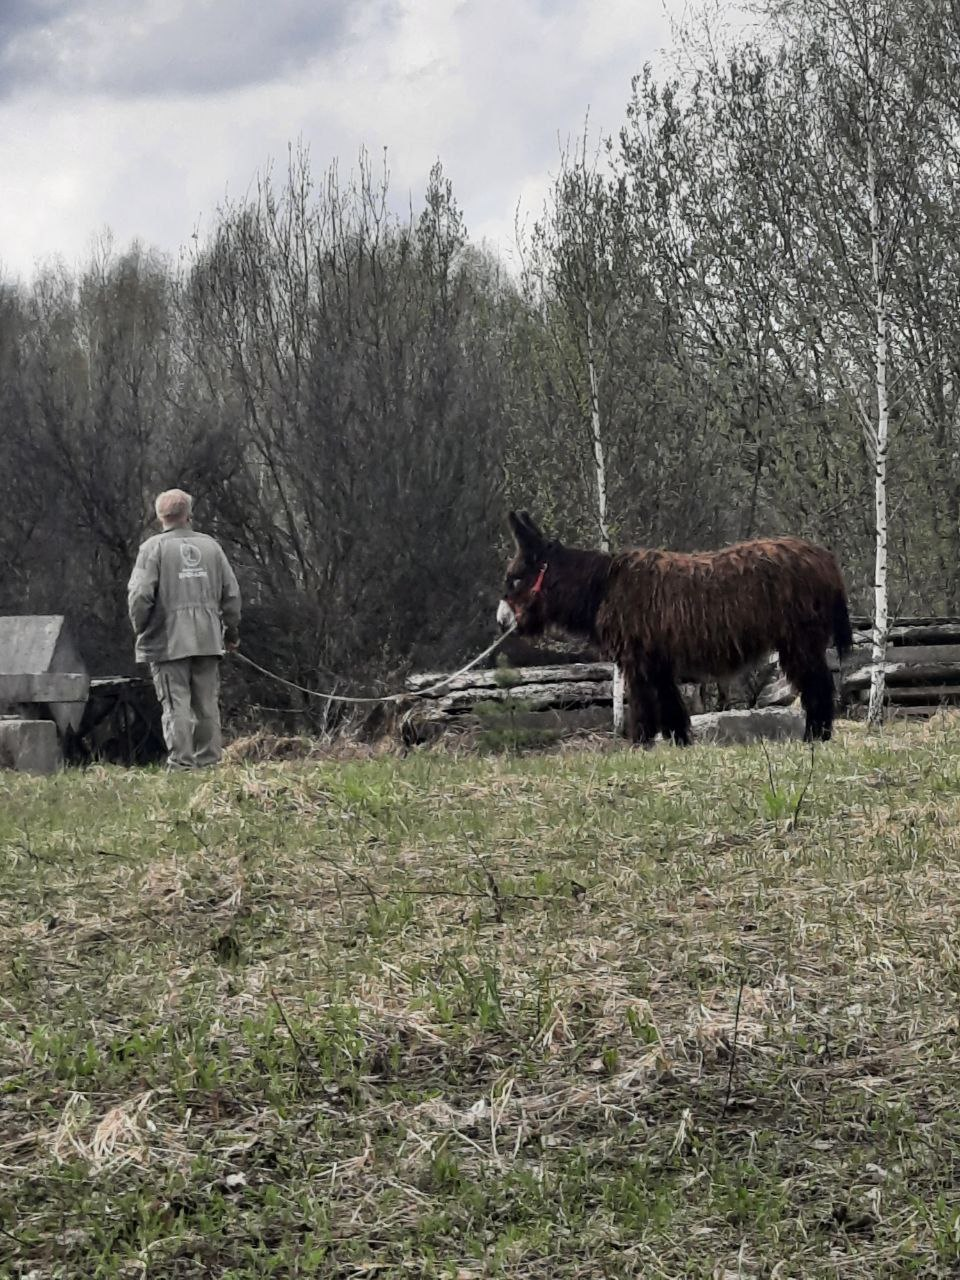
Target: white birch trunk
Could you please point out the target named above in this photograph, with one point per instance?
(880, 615)
(601, 473)
(598, 458)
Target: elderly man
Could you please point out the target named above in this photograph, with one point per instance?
(184, 605)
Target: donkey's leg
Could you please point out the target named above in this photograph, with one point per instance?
(674, 717)
(642, 696)
(810, 676)
(820, 697)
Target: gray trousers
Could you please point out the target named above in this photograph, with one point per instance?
(189, 693)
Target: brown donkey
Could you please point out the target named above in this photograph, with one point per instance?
(665, 614)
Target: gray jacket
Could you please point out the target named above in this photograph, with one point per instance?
(182, 597)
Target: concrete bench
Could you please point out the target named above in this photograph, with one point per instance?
(43, 691)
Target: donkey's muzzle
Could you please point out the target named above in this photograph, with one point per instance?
(505, 617)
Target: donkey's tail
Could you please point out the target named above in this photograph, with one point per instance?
(842, 630)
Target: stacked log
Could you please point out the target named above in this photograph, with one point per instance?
(922, 668)
(574, 687)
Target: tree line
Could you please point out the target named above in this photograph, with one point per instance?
(739, 316)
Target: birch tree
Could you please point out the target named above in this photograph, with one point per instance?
(571, 278)
(870, 123)
(827, 122)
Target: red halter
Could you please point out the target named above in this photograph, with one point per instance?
(534, 591)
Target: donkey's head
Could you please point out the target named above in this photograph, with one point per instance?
(523, 596)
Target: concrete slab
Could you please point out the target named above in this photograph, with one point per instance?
(50, 686)
(776, 724)
(28, 642)
(29, 746)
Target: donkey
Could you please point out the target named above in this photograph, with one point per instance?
(664, 614)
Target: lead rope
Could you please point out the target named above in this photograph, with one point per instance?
(387, 697)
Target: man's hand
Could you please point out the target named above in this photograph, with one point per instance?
(232, 646)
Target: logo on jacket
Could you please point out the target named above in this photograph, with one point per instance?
(190, 558)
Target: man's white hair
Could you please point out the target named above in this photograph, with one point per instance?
(173, 505)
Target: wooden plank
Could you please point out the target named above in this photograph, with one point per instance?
(923, 638)
(924, 620)
(904, 673)
(947, 633)
(860, 656)
(860, 621)
(935, 633)
(518, 676)
(925, 653)
(109, 684)
(919, 655)
(900, 693)
(45, 687)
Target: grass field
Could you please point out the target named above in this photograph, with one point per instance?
(582, 1014)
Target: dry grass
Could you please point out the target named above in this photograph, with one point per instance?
(583, 1014)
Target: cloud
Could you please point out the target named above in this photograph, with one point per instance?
(165, 47)
(19, 17)
(490, 87)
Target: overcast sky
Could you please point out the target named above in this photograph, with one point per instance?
(142, 115)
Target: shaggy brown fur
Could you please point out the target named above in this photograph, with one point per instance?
(662, 614)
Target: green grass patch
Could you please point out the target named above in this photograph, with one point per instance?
(577, 1014)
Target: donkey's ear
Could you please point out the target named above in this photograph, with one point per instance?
(525, 532)
(532, 526)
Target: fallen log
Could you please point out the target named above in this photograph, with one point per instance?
(476, 685)
(509, 677)
(532, 697)
(555, 695)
